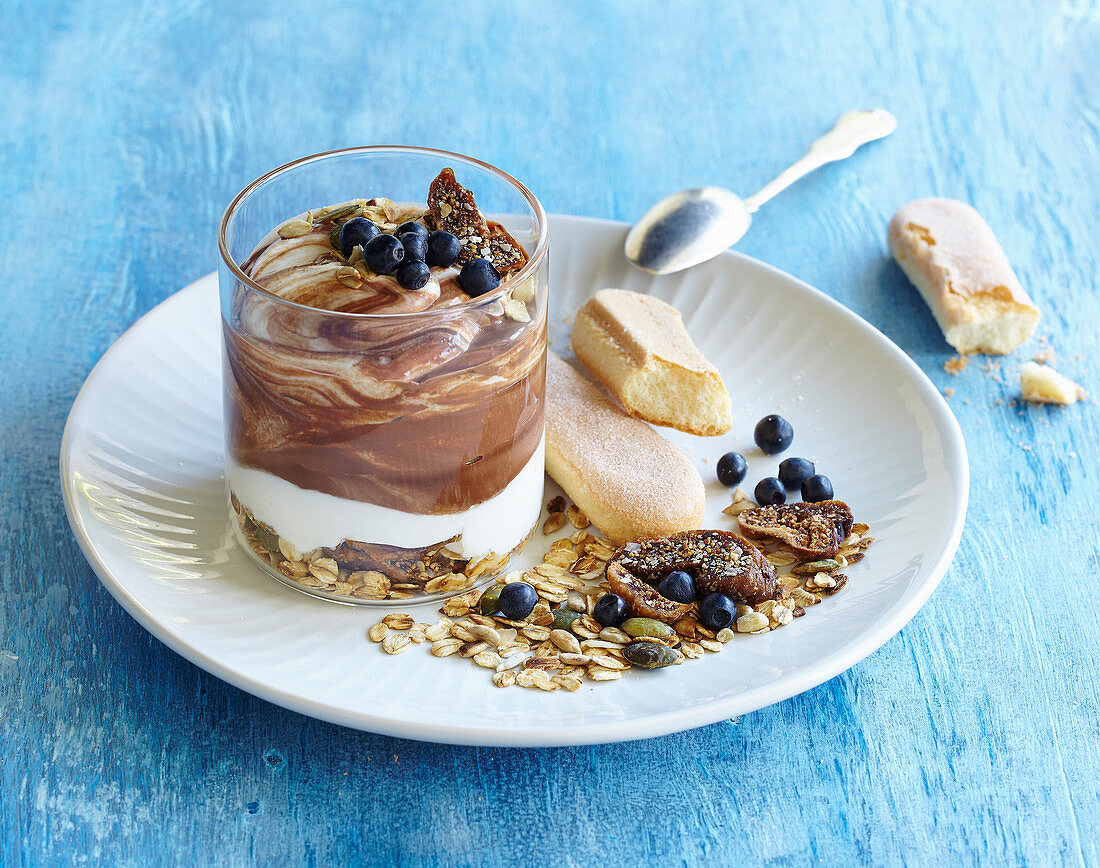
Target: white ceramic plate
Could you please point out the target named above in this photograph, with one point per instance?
(141, 471)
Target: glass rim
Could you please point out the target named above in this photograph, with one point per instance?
(534, 260)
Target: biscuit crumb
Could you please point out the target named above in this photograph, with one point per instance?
(1044, 356)
(956, 365)
(948, 392)
(1044, 385)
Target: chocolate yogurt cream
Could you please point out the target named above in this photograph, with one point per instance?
(408, 442)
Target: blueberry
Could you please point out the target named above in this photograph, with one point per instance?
(358, 230)
(732, 468)
(677, 586)
(413, 275)
(769, 491)
(817, 488)
(416, 246)
(717, 611)
(383, 254)
(412, 228)
(443, 249)
(610, 610)
(773, 434)
(516, 601)
(478, 276)
(794, 471)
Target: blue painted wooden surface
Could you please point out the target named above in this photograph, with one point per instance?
(972, 737)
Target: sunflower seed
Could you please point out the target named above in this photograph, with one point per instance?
(565, 641)
(751, 622)
(295, 228)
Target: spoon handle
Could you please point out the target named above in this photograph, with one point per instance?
(852, 130)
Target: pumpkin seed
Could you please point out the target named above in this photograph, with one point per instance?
(490, 599)
(267, 538)
(647, 627)
(337, 213)
(822, 566)
(649, 655)
(564, 618)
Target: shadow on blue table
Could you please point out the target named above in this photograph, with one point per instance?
(894, 306)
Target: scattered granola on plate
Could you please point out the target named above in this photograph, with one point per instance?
(558, 644)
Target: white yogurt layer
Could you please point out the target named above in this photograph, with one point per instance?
(312, 519)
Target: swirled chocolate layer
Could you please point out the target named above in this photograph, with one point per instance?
(431, 410)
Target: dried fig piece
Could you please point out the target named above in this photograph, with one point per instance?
(642, 598)
(396, 563)
(503, 251)
(452, 208)
(810, 529)
(716, 559)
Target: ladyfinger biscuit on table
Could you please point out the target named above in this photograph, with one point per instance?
(951, 255)
(637, 346)
(629, 480)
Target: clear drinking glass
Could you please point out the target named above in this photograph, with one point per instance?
(376, 457)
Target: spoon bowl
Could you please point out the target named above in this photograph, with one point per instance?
(687, 228)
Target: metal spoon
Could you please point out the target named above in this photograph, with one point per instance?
(693, 226)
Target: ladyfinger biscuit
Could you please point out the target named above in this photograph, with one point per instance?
(637, 346)
(629, 480)
(951, 255)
